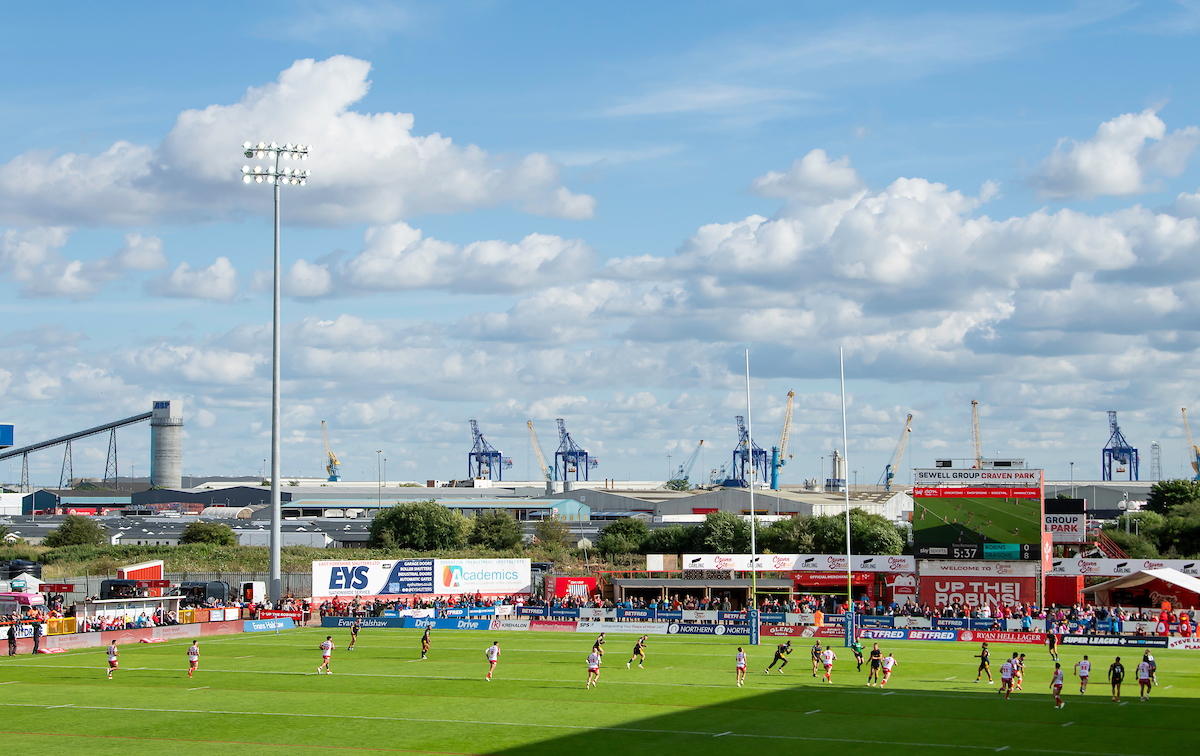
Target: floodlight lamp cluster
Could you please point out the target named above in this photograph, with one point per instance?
(273, 174)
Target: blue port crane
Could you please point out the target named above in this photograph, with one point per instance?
(485, 461)
(571, 458)
(1118, 452)
(747, 456)
(679, 480)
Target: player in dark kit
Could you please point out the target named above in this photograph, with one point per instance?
(876, 660)
(1052, 641)
(984, 657)
(639, 653)
(425, 643)
(598, 647)
(1116, 675)
(857, 648)
(353, 635)
(816, 656)
(781, 657)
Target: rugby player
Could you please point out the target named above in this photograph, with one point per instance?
(889, 661)
(598, 647)
(1145, 679)
(1116, 675)
(816, 656)
(1056, 685)
(493, 656)
(1052, 640)
(112, 658)
(353, 634)
(1149, 657)
(857, 648)
(781, 657)
(876, 659)
(827, 658)
(1083, 668)
(1019, 672)
(425, 642)
(639, 652)
(326, 652)
(193, 655)
(984, 656)
(593, 662)
(740, 666)
(1006, 678)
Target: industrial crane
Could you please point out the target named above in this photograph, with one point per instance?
(484, 460)
(1193, 452)
(975, 434)
(332, 466)
(889, 471)
(548, 473)
(571, 455)
(679, 481)
(779, 455)
(1118, 451)
(748, 457)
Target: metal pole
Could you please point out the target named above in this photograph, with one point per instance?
(276, 513)
(378, 479)
(750, 451)
(1072, 480)
(846, 455)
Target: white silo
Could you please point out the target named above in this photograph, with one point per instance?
(166, 443)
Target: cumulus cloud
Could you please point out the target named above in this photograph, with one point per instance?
(217, 281)
(1118, 160)
(32, 257)
(367, 167)
(399, 257)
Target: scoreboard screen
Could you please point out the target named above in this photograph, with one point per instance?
(977, 523)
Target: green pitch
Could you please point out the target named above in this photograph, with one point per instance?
(261, 692)
(977, 521)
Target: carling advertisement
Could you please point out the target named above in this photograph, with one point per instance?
(407, 577)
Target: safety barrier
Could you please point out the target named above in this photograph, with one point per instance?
(60, 626)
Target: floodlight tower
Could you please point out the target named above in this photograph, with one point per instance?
(277, 177)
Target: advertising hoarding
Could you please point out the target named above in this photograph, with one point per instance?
(400, 577)
(1118, 567)
(798, 562)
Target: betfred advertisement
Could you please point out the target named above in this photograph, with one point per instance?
(978, 591)
(879, 633)
(445, 577)
(579, 587)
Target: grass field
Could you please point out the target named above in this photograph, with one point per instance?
(968, 520)
(261, 690)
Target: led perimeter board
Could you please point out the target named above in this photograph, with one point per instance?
(978, 514)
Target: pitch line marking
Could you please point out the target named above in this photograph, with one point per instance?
(10, 682)
(730, 732)
(251, 656)
(1068, 724)
(814, 711)
(202, 687)
(1168, 687)
(1001, 748)
(890, 692)
(62, 706)
(951, 677)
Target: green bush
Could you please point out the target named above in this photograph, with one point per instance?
(553, 534)
(209, 532)
(495, 529)
(76, 530)
(420, 525)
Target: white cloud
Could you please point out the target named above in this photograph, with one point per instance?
(814, 179)
(32, 258)
(217, 281)
(399, 257)
(367, 167)
(1118, 159)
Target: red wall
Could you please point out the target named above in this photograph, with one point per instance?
(1064, 590)
(975, 591)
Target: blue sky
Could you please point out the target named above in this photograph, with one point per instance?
(996, 203)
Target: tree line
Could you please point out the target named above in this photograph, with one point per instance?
(1168, 526)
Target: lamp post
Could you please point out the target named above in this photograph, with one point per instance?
(277, 177)
(378, 479)
(1072, 480)
(385, 469)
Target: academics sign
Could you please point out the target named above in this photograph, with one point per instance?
(446, 577)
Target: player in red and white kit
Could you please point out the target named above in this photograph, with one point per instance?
(493, 656)
(740, 665)
(1056, 685)
(827, 658)
(326, 652)
(889, 661)
(193, 654)
(1083, 668)
(112, 658)
(1145, 680)
(1006, 678)
(593, 662)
